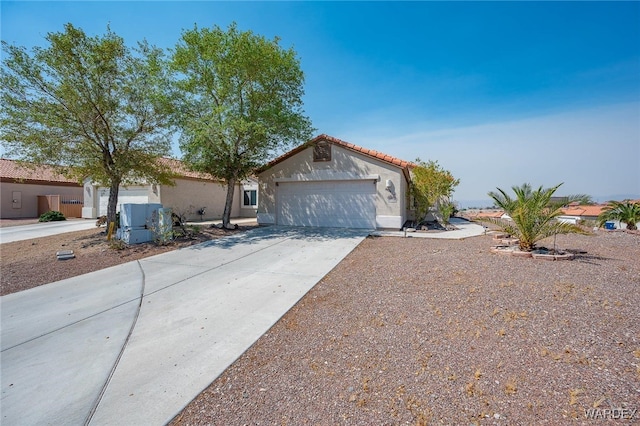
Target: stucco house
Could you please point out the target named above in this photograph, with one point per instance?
(327, 182)
(27, 192)
(191, 193)
(577, 213)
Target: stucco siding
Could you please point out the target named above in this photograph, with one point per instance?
(345, 164)
(188, 196)
(29, 197)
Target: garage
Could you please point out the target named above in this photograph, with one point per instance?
(343, 204)
(130, 195)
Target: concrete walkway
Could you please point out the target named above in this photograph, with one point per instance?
(26, 232)
(133, 344)
(465, 229)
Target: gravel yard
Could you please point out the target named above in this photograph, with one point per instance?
(425, 331)
(419, 331)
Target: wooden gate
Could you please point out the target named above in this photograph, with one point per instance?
(69, 206)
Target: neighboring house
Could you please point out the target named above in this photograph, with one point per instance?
(576, 213)
(191, 193)
(27, 192)
(327, 182)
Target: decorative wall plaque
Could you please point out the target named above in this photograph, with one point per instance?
(322, 151)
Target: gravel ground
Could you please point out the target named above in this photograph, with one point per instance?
(31, 263)
(423, 331)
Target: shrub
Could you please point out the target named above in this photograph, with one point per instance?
(51, 216)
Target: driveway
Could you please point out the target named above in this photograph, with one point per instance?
(26, 232)
(133, 344)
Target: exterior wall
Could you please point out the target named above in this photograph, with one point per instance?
(29, 193)
(391, 205)
(190, 195)
(187, 196)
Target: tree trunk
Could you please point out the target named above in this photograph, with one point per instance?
(226, 216)
(113, 202)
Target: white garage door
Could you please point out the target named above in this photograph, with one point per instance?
(139, 195)
(340, 204)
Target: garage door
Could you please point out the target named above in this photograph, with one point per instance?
(341, 204)
(138, 195)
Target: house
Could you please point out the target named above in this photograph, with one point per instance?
(195, 195)
(575, 213)
(327, 182)
(28, 192)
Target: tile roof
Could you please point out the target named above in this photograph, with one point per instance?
(11, 169)
(180, 169)
(368, 152)
(594, 210)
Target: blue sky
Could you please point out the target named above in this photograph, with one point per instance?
(500, 93)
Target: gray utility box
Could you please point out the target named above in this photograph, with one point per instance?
(137, 222)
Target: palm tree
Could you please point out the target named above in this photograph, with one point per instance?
(533, 215)
(623, 211)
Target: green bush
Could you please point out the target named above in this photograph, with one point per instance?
(51, 216)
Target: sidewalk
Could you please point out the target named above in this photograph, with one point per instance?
(465, 229)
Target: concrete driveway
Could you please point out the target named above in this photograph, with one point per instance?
(37, 230)
(133, 344)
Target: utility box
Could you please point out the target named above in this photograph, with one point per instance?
(137, 222)
(137, 216)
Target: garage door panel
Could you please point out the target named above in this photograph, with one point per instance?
(125, 196)
(327, 204)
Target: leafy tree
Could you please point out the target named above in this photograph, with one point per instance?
(430, 186)
(446, 210)
(238, 100)
(623, 211)
(87, 105)
(533, 214)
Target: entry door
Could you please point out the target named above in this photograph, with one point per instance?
(16, 199)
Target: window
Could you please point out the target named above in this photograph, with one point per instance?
(250, 198)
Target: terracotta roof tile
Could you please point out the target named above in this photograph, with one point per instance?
(590, 210)
(365, 151)
(11, 169)
(180, 169)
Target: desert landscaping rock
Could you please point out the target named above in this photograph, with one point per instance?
(462, 336)
(422, 331)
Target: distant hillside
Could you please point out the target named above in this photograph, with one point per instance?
(467, 204)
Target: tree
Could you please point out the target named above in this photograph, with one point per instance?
(238, 100)
(533, 214)
(88, 106)
(446, 210)
(430, 185)
(623, 211)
